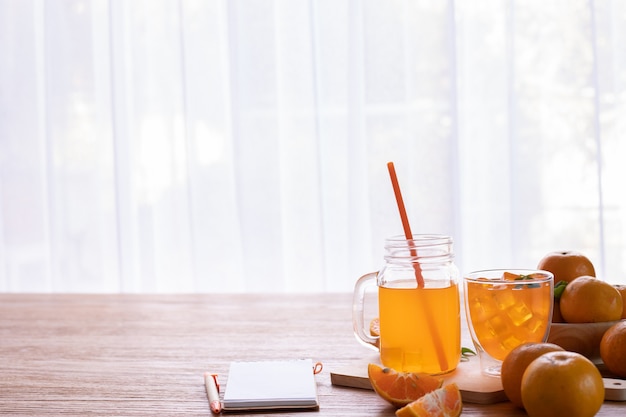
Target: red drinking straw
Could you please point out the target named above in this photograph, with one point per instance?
(405, 222)
(441, 357)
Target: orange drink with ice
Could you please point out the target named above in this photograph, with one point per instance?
(405, 334)
(507, 308)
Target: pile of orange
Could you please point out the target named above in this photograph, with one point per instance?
(546, 380)
(584, 298)
(515, 364)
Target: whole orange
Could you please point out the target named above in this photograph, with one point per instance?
(590, 300)
(515, 364)
(622, 291)
(562, 384)
(613, 348)
(567, 265)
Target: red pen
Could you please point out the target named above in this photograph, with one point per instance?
(213, 392)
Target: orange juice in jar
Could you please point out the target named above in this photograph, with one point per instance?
(405, 333)
(505, 309)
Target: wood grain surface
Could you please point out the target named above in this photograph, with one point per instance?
(145, 355)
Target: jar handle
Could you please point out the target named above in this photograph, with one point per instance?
(358, 301)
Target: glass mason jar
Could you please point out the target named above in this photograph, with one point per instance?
(418, 306)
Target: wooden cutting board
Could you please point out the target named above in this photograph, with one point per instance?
(475, 387)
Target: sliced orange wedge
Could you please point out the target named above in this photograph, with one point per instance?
(442, 402)
(509, 276)
(401, 388)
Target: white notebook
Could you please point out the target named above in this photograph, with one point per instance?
(281, 384)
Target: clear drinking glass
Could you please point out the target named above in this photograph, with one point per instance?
(505, 308)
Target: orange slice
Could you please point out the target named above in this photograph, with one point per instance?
(400, 388)
(442, 402)
(510, 276)
(375, 327)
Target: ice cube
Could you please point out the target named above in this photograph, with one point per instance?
(504, 298)
(519, 313)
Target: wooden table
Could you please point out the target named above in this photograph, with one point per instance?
(144, 355)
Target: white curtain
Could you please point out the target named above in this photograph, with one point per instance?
(241, 145)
